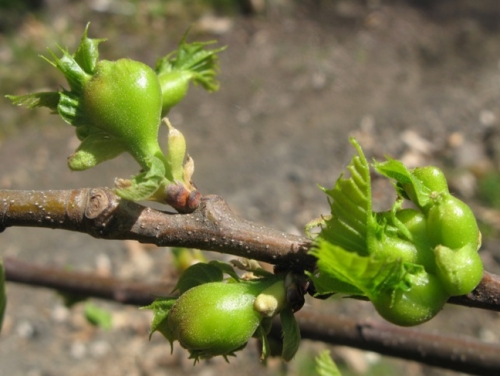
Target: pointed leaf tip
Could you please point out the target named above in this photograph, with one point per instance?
(291, 334)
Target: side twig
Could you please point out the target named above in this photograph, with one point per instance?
(451, 352)
(85, 284)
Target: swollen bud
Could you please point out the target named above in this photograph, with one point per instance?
(181, 198)
(176, 152)
(270, 301)
(180, 193)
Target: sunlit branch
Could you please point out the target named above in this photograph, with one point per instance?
(214, 227)
(101, 214)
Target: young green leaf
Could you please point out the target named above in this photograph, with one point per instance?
(262, 336)
(190, 62)
(350, 202)
(291, 334)
(43, 99)
(87, 53)
(198, 274)
(350, 273)
(94, 149)
(325, 366)
(98, 316)
(185, 257)
(161, 308)
(144, 185)
(225, 268)
(406, 183)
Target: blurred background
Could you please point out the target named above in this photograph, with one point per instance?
(417, 80)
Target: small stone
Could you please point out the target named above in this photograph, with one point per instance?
(25, 330)
(78, 350)
(98, 349)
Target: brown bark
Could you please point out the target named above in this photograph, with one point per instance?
(212, 227)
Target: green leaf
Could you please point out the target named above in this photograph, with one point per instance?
(350, 203)
(403, 177)
(326, 284)
(185, 257)
(225, 268)
(291, 334)
(96, 148)
(3, 293)
(325, 366)
(263, 273)
(71, 110)
(144, 185)
(262, 336)
(48, 99)
(161, 308)
(318, 222)
(98, 316)
(74, 73)
(87, 53)
(194, 58)
(198, 274)
(368, 274)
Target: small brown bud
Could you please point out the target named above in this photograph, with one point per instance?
(182, 199)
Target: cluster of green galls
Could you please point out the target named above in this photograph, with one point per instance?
(407, 261)
(117, 106)
(443, 237)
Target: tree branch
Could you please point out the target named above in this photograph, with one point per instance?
(101, 214)
(212, 227)
(451, 352)
(85, 284)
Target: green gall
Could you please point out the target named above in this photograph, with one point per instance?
(460, 271)
(416, 223)
(392, 247)
(420, 303)
(116, 107)
(216, 318)
(432, 177)
(174, 87)
(123, 100)
(451, 223)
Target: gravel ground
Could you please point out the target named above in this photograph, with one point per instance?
(417, 83)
